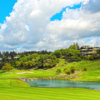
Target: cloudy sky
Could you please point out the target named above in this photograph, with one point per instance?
(48, 24)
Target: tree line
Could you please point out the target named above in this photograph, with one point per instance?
(42, 59)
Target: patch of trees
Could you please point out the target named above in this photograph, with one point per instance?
(7, 66)
(36, 61)
(68, 54)
(12, 57)
(47, 60)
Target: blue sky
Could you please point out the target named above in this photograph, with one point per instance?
(6, 7)
(59, 15)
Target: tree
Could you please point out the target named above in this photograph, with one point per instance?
(74, 46)
(49, 61)
(7, 66)
(98, 51)
(58, 53)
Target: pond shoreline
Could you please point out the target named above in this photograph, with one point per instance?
(63, 84)
(50, 78)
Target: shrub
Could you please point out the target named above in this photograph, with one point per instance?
(58, 71)
(72, 70)
(7, 66)
(91, 57)
(67, 71)
(85, 69)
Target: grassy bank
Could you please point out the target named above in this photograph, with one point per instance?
(9, 83)
(84, 70)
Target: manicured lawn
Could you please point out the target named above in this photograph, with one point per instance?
(48, 94)
(27, 74)
(14, 89)
(9, 83)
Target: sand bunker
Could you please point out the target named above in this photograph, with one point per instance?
(24, 72)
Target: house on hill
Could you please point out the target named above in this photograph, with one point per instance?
(87, 50)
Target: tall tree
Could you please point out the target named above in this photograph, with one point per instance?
(74, 46)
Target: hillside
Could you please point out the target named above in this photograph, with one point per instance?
(80, 71)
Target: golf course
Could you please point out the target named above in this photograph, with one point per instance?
(13, 88)
(29, 93)
(64, 74)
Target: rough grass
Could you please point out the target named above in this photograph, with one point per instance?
(92, 72)
(89, 65)
(92, 75)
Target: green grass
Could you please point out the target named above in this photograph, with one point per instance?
(27, 74)
(92, 67)
(92, 73)
(89, 65)
(48, 94)
(11, 88)
(7, 83)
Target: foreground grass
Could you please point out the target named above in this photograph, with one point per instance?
(19, 90)
(48, 94)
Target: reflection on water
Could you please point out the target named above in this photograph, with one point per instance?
(64, 83)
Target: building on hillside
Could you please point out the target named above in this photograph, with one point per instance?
(0, 59)
(16, 57)
(87, 50)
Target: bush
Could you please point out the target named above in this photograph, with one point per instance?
(85, 69)
(72, 70)
(74, 59)
(58, 71)
(7, 66)
(91, 57)
(67, 71)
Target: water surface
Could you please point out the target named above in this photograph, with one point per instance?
(64, 84)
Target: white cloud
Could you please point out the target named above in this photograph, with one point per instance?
(92, 6)
(76, 24)
(29, 25)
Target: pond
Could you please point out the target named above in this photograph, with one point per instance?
(64, 84)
